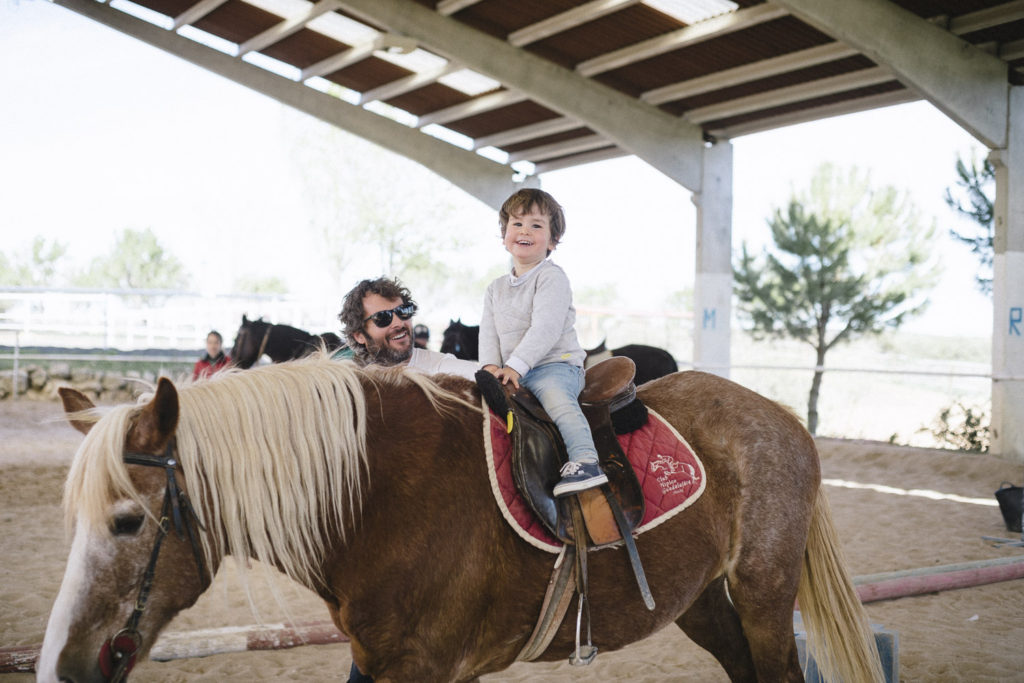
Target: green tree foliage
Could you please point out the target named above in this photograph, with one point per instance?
(40, 266)
(137, 261)
(973, 200)
(848, 260)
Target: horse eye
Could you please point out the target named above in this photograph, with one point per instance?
(126, 525)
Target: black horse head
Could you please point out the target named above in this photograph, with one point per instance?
(248, 340)
(462, 341)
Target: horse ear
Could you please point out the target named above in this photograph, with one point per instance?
(245, 321)
(158, 419)
(75, 402)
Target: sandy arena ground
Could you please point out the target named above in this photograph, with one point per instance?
(973, 634)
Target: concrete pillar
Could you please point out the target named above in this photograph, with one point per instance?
(1008, 289)
(712, 307)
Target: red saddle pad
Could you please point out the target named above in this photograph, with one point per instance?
(670, 474)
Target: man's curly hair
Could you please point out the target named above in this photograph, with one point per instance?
(352, 311)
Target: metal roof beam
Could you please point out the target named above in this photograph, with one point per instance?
(408, 83)
(488, 181)
(477, 105)
(567, 20)
(578, 159)
(727, 78)
(585, 143)
(966, 84)
(671, 145)
(530, 132)
(794, 93)
(817, 113)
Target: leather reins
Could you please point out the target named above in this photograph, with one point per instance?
(117, 656)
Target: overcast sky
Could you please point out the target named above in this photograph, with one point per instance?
(100, 132)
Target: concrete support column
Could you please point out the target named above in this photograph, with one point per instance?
(1008, 289)
(712, 307)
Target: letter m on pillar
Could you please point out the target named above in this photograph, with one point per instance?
(708, 322)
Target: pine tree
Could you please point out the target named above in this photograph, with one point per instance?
(976, 183)
(848, 260)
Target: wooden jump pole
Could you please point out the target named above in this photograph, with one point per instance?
(901, 584)
(205, 642)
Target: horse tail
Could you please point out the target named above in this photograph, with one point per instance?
(839, 635)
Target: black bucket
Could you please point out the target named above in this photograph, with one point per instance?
(1011, 500)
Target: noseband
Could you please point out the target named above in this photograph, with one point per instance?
(117, 656)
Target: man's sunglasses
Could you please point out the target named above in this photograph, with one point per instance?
(384, 318)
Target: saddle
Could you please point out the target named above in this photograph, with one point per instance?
(595, 517)
(609, 403)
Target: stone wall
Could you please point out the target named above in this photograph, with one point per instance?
(39, 382)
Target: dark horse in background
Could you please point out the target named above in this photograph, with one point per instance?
(280, 342)
(463, 341)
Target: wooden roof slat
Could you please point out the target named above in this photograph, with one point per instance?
(287, 27)
(474, 106)
(788, 95)
(689, 35)
(566, 20)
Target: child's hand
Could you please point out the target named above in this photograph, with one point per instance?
(506, 374)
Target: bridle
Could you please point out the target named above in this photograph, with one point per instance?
(117, 655)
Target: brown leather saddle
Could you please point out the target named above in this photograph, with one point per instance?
(610, 512)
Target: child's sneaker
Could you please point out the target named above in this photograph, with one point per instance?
(579, 476)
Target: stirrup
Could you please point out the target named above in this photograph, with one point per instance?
(584, 654)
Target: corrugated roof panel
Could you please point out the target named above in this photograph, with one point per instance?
(304, 48)
(367, 74)
(429, 99)
(237, 21)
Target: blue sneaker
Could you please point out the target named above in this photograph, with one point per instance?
(579, 476)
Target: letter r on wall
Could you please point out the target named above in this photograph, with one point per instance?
(1016, 316)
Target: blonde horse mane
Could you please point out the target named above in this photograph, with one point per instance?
(274, 455)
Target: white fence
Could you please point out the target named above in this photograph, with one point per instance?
(143, 319)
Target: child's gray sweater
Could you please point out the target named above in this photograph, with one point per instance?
(530, 320)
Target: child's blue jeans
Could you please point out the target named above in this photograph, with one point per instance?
(557, 386)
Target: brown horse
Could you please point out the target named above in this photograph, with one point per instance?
(370, 487)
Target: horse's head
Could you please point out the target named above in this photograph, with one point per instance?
(248, 339)
(133, 536)
(462, 341)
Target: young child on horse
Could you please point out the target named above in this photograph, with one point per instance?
(528, 333)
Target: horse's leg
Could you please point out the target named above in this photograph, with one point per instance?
(712, 622)
(762, 586)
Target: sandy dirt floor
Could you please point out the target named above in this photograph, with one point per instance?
(972, 634)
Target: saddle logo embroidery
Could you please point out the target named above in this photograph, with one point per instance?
(671, 474)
